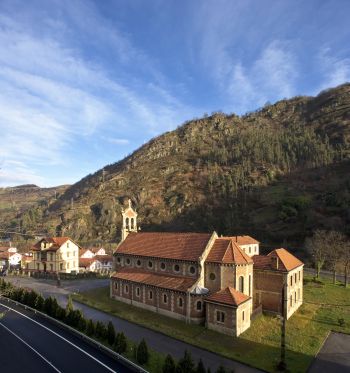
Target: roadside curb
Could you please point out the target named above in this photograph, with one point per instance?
(121, 359)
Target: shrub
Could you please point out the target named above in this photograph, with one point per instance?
(39, 303)
(169, 365)
(142, 354)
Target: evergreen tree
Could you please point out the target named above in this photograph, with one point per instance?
(110, 333)
(169, 365)
(200, 367)
(90, 328)
(185, 364)
(142, 354)
(39, 303)
(120, 344)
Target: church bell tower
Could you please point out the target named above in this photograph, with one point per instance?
(129, 220)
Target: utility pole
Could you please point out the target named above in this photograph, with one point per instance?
(71, 203)
(282, 366)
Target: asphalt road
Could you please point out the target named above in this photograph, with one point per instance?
(30, 343)
(334, 356)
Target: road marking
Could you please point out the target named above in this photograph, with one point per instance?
(32, 348)
(66, 340)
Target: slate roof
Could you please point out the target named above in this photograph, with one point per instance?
(228, 296)
(225, 250)
(178, 246)
(179, 283)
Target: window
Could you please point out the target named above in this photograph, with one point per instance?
(165, 298)
(132, 223)
(295, 278)
(138, 263)
(180, 302)
(176, 268)
(61, 266)
(212, 276)
(295, 297)
(250, 285)
(116, 285)
(250, 249)
(242, 315)
(137, 291)
(150, 294)
(150, 264)
(38, 266)
(299, 275)
(127, 222)
(220, 316)
(126, 289)
(298, 294)
(68, 254)
(192, 270)
(199, 306)
(162, 266)
(291, 280)
(241, 284)
(51, 267)
(67, 245)
(128, 261)
(118, 260)
(291, 300)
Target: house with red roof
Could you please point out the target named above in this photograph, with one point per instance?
(55, 254)
(200, 277)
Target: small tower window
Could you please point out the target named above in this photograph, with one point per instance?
(241, 284)
(138, 291)
(165, 298)
(132, 223)
(127, 223)
(180, 302)
(212, 276)
(199, 306)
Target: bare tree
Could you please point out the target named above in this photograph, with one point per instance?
(335, 242)
(345, 259)
(317, 246)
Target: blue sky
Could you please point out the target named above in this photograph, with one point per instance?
(84, 83)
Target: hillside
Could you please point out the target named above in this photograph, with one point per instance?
(277, 173)
(25, 199)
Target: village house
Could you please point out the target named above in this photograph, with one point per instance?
(10, 258)
(203, 278)
(55, 254)
(95, 260)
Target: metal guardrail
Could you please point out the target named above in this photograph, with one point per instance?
(123, 360)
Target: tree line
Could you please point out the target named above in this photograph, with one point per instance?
(329, 249)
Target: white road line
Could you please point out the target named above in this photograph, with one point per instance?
(32, 348)
(66, 340)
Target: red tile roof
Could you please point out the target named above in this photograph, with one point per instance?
(226, 250)
(244, 240)
(179, 283)
(286, 261)
(229, 296)
(180, 246)
(104, 258)
(86, 262)
(57, 242)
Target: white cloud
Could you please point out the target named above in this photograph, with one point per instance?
(114, 140)
(335, 70)
(52, 94)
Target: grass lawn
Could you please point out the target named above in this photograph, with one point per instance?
(324, 304)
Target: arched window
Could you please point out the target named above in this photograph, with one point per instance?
(132, 223)
(150, 294)
(127, 222)
(199, 306)
(165, 298)
(250, 285)
(181, 302)
(176, 268)
(241, 284)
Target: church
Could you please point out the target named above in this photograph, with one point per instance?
(203, 278)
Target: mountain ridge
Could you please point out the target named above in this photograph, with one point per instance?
(227, 157)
